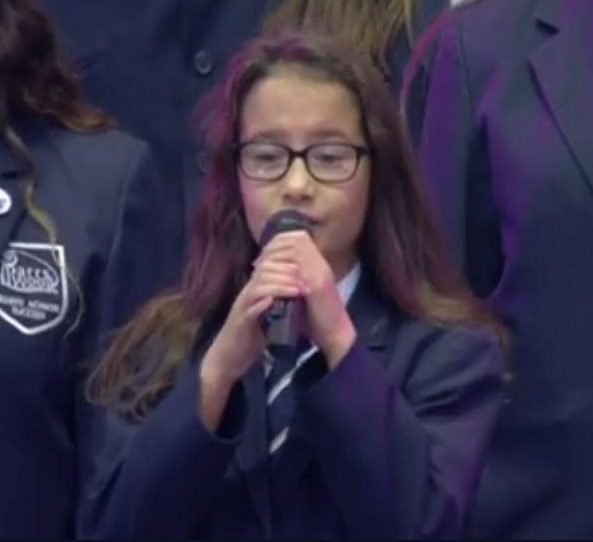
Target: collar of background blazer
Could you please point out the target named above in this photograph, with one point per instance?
(33, 129)
(8, 165)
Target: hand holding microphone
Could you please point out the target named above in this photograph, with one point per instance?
(319, 313)
(241, 340)
(292, 286)
(290, 267)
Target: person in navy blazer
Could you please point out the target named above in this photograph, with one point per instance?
(507, 154)
(388, 410)
(147, 62)
(80, 250)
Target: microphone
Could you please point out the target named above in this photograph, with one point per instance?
(282, 322)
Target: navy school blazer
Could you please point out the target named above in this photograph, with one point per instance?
(507, 150)
(389, 445)
(58, 300)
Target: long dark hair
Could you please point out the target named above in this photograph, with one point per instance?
(35, 81)
(399, 245)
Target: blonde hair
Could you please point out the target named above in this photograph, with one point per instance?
(367, 26)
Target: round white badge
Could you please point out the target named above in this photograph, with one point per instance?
(5, 202)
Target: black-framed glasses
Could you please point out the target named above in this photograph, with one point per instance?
(326, 162)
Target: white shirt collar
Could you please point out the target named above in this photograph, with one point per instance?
(348, 284)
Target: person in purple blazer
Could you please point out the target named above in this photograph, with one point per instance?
(377, 427)
(507, 153)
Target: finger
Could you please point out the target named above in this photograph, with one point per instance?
(258, 308)
(272, 265)
(276, 272)
(269, 282)
(285, 239)
(279, 253)
(277, 244)
(282, 281)
(295, 241)
(278, 279)
(259, 291)
(293, 235)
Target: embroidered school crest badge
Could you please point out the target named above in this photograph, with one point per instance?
(33, 286)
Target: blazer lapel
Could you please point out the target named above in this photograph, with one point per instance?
(370, 316)
(11, 186)
(563, 67)
(372, 322)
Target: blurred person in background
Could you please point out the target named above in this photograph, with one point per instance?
(147, 62)
(507, 152)
(80, 245)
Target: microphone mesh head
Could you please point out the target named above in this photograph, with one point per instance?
(282, 221)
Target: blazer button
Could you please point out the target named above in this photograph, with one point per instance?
(203, 62)
(5, 202)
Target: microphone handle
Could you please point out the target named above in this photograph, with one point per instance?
(283, 326)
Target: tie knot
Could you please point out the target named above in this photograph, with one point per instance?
(288, 362)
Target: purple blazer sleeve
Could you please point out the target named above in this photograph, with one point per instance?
(402, 461)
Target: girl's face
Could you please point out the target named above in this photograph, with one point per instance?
(293, 110)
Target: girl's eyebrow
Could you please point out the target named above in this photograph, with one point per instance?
(322, 133)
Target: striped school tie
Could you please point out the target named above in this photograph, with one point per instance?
(280, 394)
